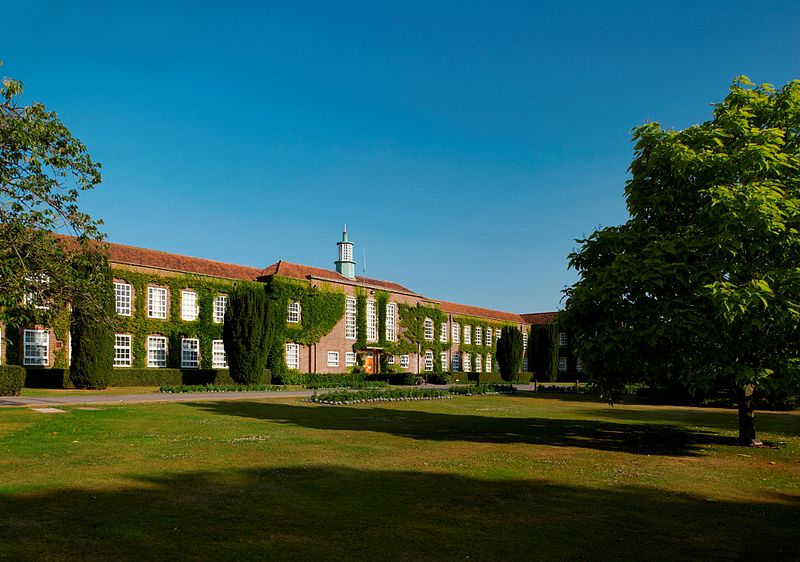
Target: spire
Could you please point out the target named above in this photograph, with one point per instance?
(345, 264)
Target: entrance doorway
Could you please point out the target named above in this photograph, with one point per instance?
(369, 363)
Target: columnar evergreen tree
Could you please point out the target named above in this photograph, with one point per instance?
(702, 284)
(248, 333)
(509, 352)
(540, 351)
(93, 334)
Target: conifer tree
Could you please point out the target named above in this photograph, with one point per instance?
(248, 333)
(509, 352)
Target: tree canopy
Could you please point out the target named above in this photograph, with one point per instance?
(702, 284)
(43, 170)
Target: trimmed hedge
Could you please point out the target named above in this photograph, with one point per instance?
(59, 378)
(495, 378)
(406, 379)
(12, 378)
(305, 379)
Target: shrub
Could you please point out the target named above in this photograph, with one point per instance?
(509, 352)
(93, 344)
(168, 389)
(47, 378)
(308, 379)
(12, 377)
(495, 378)
(352, 396)
(406, 379)
(440, 378)
(248, 333)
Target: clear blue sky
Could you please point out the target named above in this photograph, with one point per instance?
(465, 144)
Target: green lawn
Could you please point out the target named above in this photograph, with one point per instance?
(478, 478)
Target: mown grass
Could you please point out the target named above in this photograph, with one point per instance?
(490, 478)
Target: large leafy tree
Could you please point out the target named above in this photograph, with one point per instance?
(702, 285)
(43, 170)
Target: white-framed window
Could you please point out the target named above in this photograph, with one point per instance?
(347, 252)
(488, 340)
(467, 334)
(465, 359)
(350, 359)
(122, 350)
(350, 319)
(443, 334)
(478, 364)
(478, 335)
(37, 347)
(404, 361)
(455, 362)
(293, 316)
(189, 309)
(293, 355)
(190, 353)
(333, 359)
(428, 360)
(218, 358)
(497, 333)
(156, 351)
(372, 322)
(456, 332)
(156, 302)
(390, 360)
(524, 339)
(428, 329)
(220, 304)
(489, 368)
(443, 360)
(123, 293)
(562, 339)
(525, 365)
(391, 321)
(562, 364)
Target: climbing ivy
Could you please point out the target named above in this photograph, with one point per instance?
(412, 335)
(477, 347)
(361, 320)
(139, 326)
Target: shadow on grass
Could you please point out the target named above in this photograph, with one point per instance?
(649, 439)
(332, 513)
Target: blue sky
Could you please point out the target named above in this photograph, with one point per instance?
(465, 144)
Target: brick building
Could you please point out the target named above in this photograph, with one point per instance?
(170, 311)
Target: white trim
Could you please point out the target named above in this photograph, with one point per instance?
(372, 321)
(219, 360)
(123, 297)
(349, 359)
(220, 305)
(36, 344)
(350, 324)
(157, 302)
(156, 351)
(189, 308)
(391, 321)
(428, 360)
(443, 334)
(333, 359)
(456, 332)
(293, 356)
(123, 356)
(293, 314)
(190, 353)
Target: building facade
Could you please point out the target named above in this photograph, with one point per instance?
(170, 311)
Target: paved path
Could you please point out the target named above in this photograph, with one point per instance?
(77, 399)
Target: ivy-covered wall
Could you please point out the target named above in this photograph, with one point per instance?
(173, 328)
(478, 347)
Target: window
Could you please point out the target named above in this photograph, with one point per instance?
(428, 329)
(350, 359)
(293, 355)
(478, 335)
(524, 364)
(190, 353)
(488, 337)
(372, 322)
(404, 361)
(122, 350)
(347, 252)
(443, 360)
(156, 351)
(37, 347)
(562, 339)
(524, 339)
(443, 334)
(333, 359)
(350, 319)
(562, 364)
(220, 304)
(456, 362)
(218, 358)
(189, 309)
(122, 292)
(579, 366)
(478, 364)
(467, 335)
(489, 363)
(465, 359)
(497, 333)
(428, 360)
(156, 302)
(294, 313)
(390, 360)
(456, 332)
(391, 322)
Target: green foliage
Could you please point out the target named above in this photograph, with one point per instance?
(43, 170)
(378, 395)
(93, 338)
(497, 378)
(361, 320)
(12, 377)
(37, 377)
(60, 378)
(509, 352)
(411, 332)
(168, 389)
(248, 333)
(702, 283)
(311, 380)
(543, 350)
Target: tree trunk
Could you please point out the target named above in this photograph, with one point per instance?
(747, 422)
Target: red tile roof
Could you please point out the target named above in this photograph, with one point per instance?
(297, 271)
(466, 310)
(539, 317)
